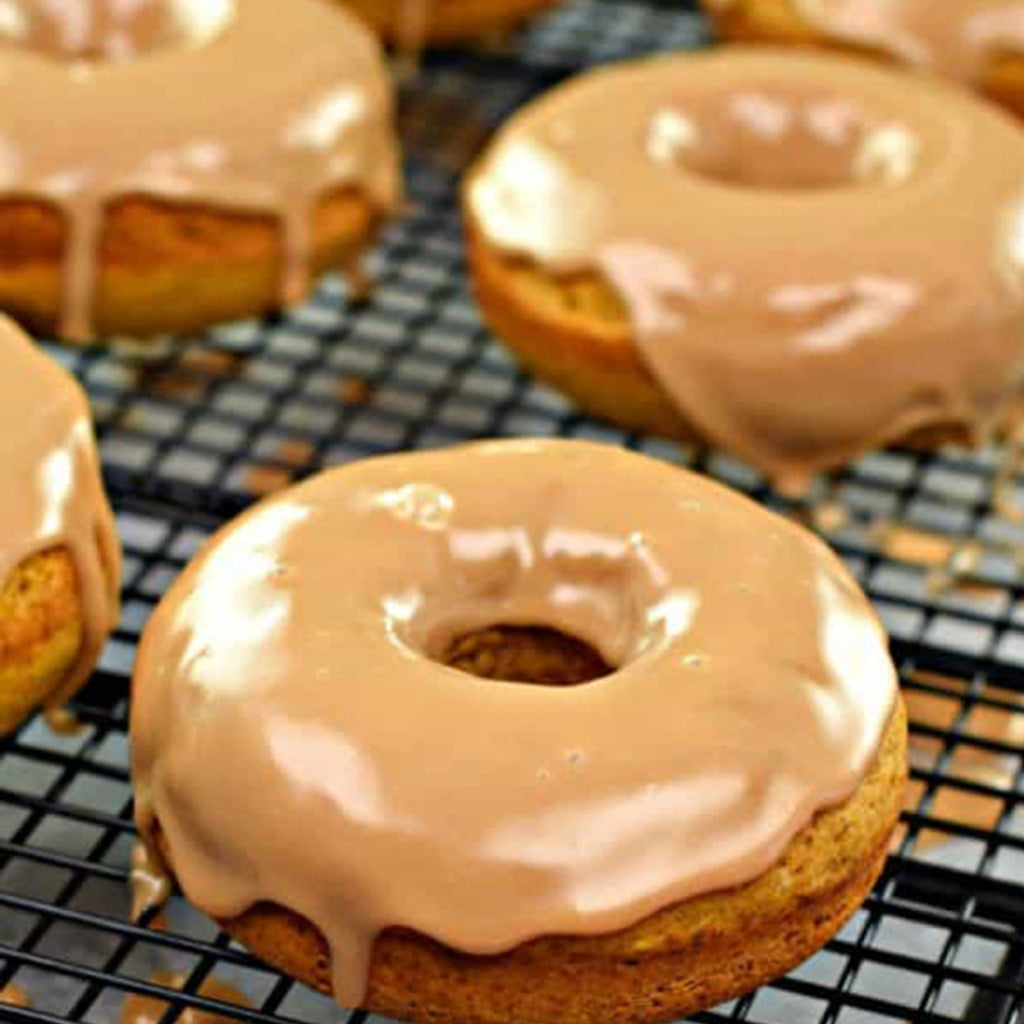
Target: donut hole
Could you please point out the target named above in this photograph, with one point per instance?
(767, 139)
(561, 606)
(535, 655)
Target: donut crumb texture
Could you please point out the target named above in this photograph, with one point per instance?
(168, 267)
(41, 632)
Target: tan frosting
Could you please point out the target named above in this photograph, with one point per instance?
(296, 743)
(252, 105)
(958, 38)
(817, 255)
(149, 882)
(51, 494)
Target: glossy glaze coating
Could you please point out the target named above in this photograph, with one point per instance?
(817, 255)
(957, 38)
(296, 743)
(190, 101)
(51, 494)
(150, 884)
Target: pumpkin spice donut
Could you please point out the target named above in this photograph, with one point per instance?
(412, 23)
(794, 256)
(60, 560)
(551, 771)
(198, 174)
(979, 43)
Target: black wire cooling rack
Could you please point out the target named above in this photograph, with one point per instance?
(194, 435)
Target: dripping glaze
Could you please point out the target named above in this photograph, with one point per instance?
(787, 233)
(291, 666)
(190, 101)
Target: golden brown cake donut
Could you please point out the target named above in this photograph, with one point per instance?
(977, 42)
(198, 176)
(550, 769)
(435, 22)
(794, 256)
(59, 554)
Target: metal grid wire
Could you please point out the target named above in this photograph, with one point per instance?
(194, 435)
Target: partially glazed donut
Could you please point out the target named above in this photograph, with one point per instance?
(60, 560)
(197, 173)
(797, 257)
(977, 42)
(698, 818)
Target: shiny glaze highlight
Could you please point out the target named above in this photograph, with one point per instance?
(294, 740)
(817, 256)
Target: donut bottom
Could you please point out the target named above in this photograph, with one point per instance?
(680, 960)
(166, 267)
(451, 21)
(574, 334)
(41, 633)
(780, 22)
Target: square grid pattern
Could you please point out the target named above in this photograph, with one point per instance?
(192, 434)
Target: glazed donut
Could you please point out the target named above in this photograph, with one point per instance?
(977, 42)
(432, 22)
(696, 808)
(797, 257)
(198, 175)
(60, 560)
